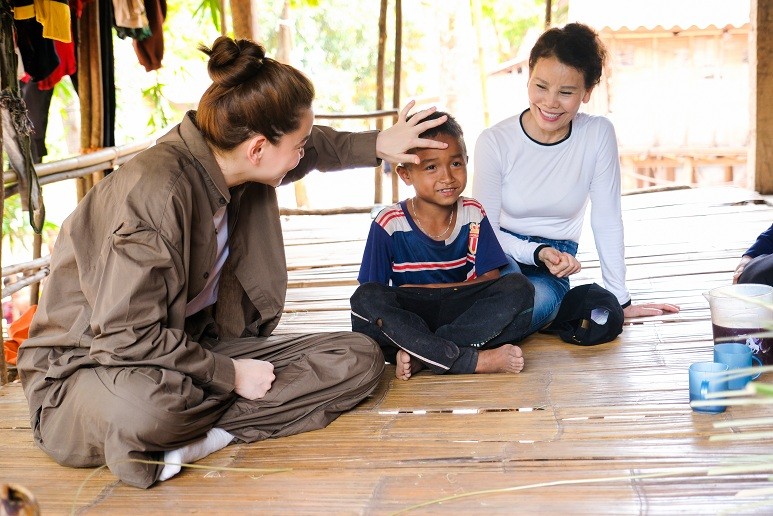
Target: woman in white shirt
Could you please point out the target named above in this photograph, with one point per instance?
(536, 172)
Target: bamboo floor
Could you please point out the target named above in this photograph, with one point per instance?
(600, 430)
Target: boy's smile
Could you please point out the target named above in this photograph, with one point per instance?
(440, 177)
(439, 180)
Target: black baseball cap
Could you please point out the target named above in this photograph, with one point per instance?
(589, 314)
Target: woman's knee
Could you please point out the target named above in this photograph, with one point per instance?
(160, 409)
(759, 270)
(366, 353)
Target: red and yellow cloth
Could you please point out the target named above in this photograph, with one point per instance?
(54, 15)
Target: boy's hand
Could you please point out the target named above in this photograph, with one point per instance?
(559, 264)
(393, 143)
(745, 259)
(253, 378)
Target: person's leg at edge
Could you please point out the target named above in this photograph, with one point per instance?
(318, 377)
(401, 320)
(490, 317)
(129, 418)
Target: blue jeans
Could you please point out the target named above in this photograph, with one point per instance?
(548, 290)
(444, 328)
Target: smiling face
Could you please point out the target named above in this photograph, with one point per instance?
(556, 92)
(277, 160)
(441, 175)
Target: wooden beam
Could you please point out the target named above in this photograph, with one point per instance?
(380, 66)
(761, 130)
(396, 84)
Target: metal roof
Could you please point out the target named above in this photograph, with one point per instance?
(667, 14)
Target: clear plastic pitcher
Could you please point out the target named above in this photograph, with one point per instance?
(743, 313)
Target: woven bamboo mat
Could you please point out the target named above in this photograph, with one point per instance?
(600, 430)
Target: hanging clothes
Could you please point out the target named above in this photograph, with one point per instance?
(67, 65)
(150, 51)
(36, 92)
(130, 19)
(16, 128)
(38, 54)
(53, 15)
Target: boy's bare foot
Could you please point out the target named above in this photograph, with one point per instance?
(504, 359)
(407, 366)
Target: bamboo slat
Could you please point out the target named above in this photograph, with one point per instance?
(582, 430)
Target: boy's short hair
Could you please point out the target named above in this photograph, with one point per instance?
(450, 127)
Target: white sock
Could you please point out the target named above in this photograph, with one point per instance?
(216, 439)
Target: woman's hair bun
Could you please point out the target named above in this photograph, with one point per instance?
(232, 62)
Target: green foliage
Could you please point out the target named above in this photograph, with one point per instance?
(298, 4)
(16, 228)
(160, 108)
(208, 8)
(339, 57)
(511, 20)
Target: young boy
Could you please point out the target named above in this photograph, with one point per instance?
(430, 292)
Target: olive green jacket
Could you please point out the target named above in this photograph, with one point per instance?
(140, 246)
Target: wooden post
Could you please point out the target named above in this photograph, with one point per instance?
(6, 21)
(396, 85)
(378, 186)
(760, 159)
(729, 174)
(241, 18)
(476, 9)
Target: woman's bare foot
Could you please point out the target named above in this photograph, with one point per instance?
(407, 366)
(504, 359)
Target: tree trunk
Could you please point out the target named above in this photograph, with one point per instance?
(760, 160)
(460, 91)
(241, 17)
(476, 10)
(396, 85)
(283, 55)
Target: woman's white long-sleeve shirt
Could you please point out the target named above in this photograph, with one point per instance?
(543, 190)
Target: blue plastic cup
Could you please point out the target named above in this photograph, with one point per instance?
(703, 380)
(736, 356)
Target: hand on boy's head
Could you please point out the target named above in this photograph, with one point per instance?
(395, 143)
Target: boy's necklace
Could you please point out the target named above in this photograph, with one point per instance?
(418, 222)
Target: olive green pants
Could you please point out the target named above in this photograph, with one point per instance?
(110, 415)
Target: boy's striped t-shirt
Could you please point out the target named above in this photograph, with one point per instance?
(399, 253)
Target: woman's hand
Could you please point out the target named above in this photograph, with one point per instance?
(559, 264)
(649, 309)
(745, 259)
(393, 143)
(253, 378)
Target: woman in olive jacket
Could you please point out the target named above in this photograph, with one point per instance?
(153, 338)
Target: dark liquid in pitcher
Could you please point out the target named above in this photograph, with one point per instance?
(761, 347)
